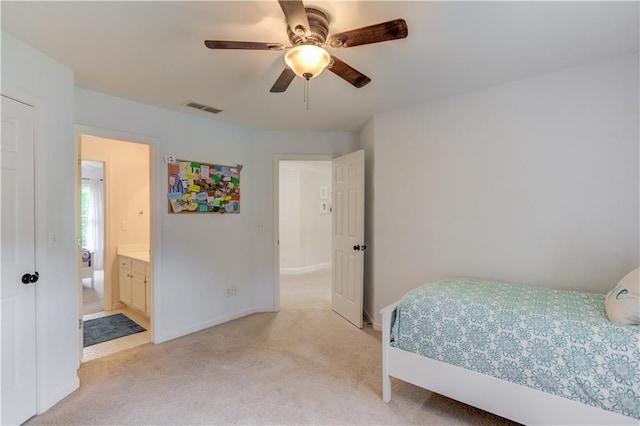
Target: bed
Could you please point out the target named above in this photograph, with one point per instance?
(532, 355)
(88, 265)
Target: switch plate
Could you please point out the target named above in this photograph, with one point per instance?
(125, 225)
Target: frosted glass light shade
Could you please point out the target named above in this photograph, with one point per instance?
(307, 60)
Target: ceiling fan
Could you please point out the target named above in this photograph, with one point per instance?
(308, 31)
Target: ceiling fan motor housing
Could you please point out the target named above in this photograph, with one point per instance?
(319, 26)
(308, 31)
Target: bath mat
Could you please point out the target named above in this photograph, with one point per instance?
(108, 328)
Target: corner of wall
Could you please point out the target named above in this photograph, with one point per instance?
(366, 141)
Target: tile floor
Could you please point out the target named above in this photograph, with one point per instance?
(117, 345)
(92, 307)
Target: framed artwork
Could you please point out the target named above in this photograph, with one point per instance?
(196, 187)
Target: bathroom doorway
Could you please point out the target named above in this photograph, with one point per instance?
(115, 232)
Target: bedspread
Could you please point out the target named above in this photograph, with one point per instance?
(556, 341)
(86, 257)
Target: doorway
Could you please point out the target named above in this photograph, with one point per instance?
(115, 233)
(303, 265)
(347, 231)
(92, 236)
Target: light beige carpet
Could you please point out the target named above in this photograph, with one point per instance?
(302, 365)
(92, 298)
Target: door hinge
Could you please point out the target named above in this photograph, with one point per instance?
(79, 323)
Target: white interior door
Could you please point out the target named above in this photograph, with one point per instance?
(18, 262)
(348, 236)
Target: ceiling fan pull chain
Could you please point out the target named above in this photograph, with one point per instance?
(305, 98)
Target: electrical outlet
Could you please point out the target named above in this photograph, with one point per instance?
(234, 290)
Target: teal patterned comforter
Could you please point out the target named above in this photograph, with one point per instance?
(559, 342)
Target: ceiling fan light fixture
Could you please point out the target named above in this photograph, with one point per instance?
(307, 60)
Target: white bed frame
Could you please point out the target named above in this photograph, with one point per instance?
(515, 402)
(88, 271)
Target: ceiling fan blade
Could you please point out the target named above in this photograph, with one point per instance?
(296, 16)
(348, 73)
(391, 30)
(245, 45)
(283, 82)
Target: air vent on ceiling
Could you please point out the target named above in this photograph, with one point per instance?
(202, 107)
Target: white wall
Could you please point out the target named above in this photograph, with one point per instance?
(305, 231)
(533, 182)
(367, 142)
(289, 220)
(34, 78)
(315, 225)
(197, 256)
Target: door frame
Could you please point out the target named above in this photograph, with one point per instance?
(155, 206)
(276, 213)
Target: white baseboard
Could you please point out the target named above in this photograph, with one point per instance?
(117, 305)
(305, 269)
(367, 317)
(158, 338)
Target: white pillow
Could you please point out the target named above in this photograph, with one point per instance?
(623, 302)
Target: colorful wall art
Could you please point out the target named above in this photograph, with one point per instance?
(203, 188)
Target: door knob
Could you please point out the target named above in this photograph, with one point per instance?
(28, 278)
(356, 247)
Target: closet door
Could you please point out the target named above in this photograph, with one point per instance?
(19, 276)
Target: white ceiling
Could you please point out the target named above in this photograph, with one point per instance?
(153, 52)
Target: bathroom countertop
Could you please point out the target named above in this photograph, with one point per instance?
(136, 255)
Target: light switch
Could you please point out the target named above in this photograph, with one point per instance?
(125, 225)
